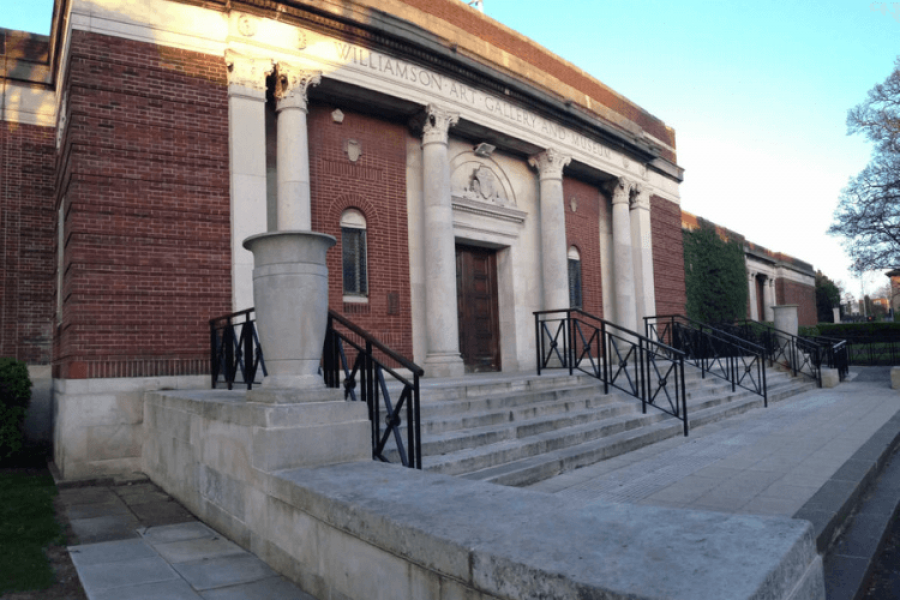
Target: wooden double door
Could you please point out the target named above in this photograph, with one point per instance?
(476, 301)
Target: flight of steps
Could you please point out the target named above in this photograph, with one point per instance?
(518, 431)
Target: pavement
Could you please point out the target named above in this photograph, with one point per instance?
(824, 456)
(137, 543)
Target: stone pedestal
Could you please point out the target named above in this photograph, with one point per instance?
(837, 314)
(786, 318)
(290, 290)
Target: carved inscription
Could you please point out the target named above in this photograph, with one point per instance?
(401, 71)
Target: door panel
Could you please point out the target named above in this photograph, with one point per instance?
(476, 288)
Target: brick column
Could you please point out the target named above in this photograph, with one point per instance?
(293, 207)
(247, 153)
(554, 261)
(442, 325)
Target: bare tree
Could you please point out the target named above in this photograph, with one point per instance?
(868, 214)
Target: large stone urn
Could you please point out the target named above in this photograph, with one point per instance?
(290, 290)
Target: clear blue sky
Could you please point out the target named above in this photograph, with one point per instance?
(757, 92)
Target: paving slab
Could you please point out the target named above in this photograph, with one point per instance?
(104, 529)
(104, 576)
(197, 549)
(110, 552)
(220, 572)
(176, 589)
(270, 588)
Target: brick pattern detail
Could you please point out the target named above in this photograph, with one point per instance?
(668, 257)
(145, 181)
(792, 292)
(583, 232)
(520, 46)
(27, 222)
(375, 185)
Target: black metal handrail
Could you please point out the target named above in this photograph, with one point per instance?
(802, 356)
(714, 351)
(369, 366)
(234, 350)
(836, 354)
(646, 369)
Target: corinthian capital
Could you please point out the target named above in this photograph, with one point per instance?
(247, 75)
(437, 124)
(621, 189)
(550, 163)
(291, 85)
(640, 197)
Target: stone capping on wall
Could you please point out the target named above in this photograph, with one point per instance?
(338, 530)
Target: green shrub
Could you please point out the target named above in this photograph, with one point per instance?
(15, 392)
(813, 331)
(855, 330)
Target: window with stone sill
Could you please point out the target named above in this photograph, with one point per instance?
(575, 299)
(353, 249)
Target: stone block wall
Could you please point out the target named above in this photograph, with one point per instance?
(27, 223)
(144, 189)
(583, 232)
(793, 292)
(375, 184)
(668, 256)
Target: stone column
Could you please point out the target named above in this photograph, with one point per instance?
(837, 314)
(769, 299)
(247, 153)
(554, 261)
(754, 303)
(642, 249)
(442, 326)
(626, 315)
(293, 205)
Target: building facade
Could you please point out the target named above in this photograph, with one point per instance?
(469, 176)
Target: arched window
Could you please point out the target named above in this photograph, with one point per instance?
(575, 299)
(353, 246)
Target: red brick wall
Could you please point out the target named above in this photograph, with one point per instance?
(583, 231)
(27, 222)
(668, 256)
(375, 185)
(144, 176)
(791, 292)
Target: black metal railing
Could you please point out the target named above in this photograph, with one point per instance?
(364, 370)
(234, 350)
(801, 356)
(873, 350)
(713, 351)
(835, 354)
(646, 369)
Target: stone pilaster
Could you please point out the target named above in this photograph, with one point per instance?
(247, 153)
(754, 303)
(642, 254)
(293, 206)
(621, 190)
(554, 263)
(442, 326)
(769, 296)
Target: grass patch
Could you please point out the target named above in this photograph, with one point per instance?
(27, 526)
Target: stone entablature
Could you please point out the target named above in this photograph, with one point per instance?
(174, 24)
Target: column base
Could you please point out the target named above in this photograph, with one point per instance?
(444, 365)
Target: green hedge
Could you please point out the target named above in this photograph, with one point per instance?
(15, 393)
(715, 276)
(853, 330)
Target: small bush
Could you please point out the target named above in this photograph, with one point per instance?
(15, 393)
